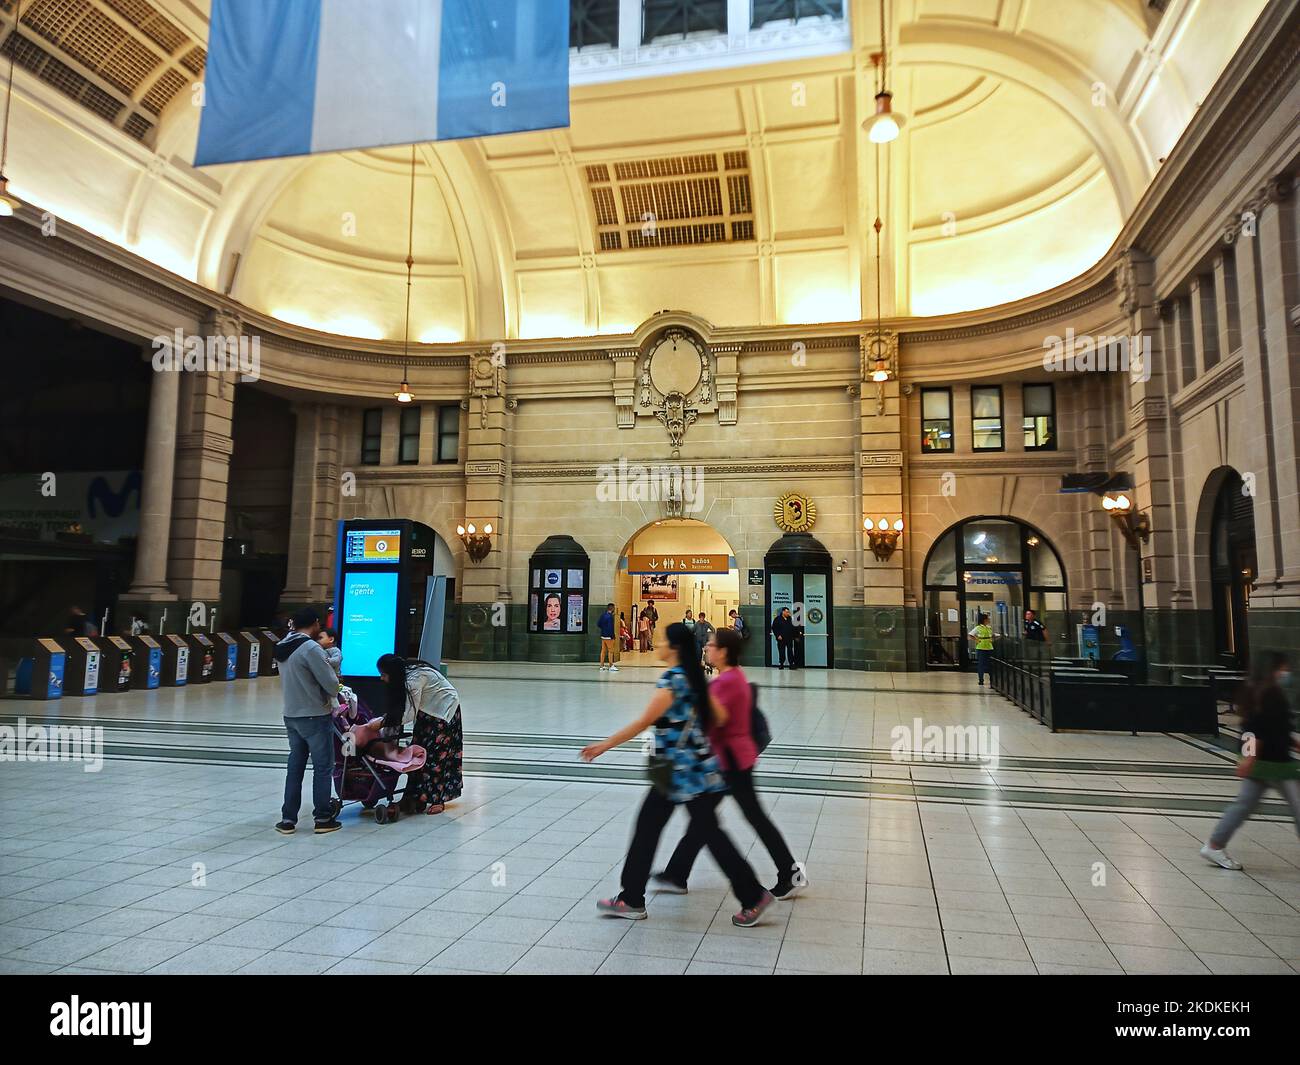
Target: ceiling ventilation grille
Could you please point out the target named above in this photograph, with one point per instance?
(675, 201)
(121, 59)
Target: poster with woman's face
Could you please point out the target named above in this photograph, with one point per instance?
(551, 610)
(576, 611)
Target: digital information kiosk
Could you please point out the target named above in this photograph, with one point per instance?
(386, 600)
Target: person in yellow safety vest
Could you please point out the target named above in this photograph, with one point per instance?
(983, 637)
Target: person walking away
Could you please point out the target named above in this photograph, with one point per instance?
(680, 714)
(420, 696)
(329, 641)
(643, 629)
(309, 687)
(983, 637)
(703, 632)
(607, 647)
(733, 743)
(783, 630)
(1266, 749)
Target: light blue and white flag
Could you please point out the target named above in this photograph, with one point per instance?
(291, 77)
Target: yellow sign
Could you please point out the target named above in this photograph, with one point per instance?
(677, 563)
(794, 512)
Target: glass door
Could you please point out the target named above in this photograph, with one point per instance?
(945, 637)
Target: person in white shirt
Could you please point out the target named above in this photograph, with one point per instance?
(421, 696)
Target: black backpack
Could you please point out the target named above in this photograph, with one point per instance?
(758, 723)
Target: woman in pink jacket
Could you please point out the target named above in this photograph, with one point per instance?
(733, 743)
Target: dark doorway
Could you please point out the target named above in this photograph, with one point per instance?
(1232, 569)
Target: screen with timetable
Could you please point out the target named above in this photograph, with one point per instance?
(373, 545)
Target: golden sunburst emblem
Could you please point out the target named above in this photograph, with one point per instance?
(794, 512)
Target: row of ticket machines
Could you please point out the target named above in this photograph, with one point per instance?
(50, 669)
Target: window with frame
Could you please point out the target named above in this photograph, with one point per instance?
(986, 417)
(936, 419)
(408, 437)
(372, 435)
(1040, 417)
(593, 22)
(673, 18)
(765, 11)
(448, 433)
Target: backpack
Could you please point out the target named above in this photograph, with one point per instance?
(758, 727)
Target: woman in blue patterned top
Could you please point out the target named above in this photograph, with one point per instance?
(680, 713)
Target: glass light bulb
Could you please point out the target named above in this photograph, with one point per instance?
(898, 525)
(488, 528)
(867, 524)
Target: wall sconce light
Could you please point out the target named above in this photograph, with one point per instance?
(478, 544)
(1134, 526)
(884, 540)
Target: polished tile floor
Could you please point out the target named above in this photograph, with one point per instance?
(1073, 853)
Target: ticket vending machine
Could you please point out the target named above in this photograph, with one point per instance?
(267, 665)
(41, 667)
(146, 668)
(116, 664)
(225, 657)
(203, 657)
(175, 661)
(81, 670)
(381, 596)
(249, 655)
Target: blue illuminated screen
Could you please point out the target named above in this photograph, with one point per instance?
(367, 621)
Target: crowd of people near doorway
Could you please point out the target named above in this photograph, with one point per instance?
(617, 635)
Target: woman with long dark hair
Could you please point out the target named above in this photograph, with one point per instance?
(1266, 752)
(685, 773)
(419, 695)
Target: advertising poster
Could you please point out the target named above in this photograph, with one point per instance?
(577, 612)
(659, 586)
(551, 612)
(532, 611)
(575, 578)
(553, 578)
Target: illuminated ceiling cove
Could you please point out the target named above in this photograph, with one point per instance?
(743, 193)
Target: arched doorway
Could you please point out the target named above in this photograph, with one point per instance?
(677, 564)
(995, 565)
(1232, 568)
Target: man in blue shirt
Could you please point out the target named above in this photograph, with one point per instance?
(607, 645)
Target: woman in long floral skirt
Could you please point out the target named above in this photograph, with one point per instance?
(420, 696)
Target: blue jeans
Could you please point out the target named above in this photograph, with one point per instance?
(982, 664)
(312, 735)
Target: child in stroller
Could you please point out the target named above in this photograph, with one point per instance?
(368, 762)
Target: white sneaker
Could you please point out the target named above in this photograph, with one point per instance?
(603, 668)
(1220, 858)
(613, 669)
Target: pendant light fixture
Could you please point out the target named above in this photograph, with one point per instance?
(404, 393)
(8, 202)
(883, 126)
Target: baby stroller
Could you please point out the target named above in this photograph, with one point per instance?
(366, 768)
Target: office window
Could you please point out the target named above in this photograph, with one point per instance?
(1040, 418)
(449, 433)
(372, 433)
(408, 439)
(593, 22)
(986, 417)
(936, 419)
(673, 18)
(765, 11)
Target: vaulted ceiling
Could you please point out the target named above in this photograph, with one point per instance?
(745, 195)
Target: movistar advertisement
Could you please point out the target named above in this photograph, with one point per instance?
(367, 607)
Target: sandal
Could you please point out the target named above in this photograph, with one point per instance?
(436, 808)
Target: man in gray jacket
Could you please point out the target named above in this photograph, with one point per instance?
(310, 688)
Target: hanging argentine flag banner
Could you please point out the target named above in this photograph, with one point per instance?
(292, 77)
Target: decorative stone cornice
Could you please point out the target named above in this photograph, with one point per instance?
(998, 464)
(590, 472)
(1149, 409)
(1209, 388)
(1096, 293)
(1243, 223)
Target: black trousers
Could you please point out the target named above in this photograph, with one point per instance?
(703, 811)
(741, 782)
(785, 653)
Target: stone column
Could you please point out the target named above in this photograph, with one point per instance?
(315, 507)
(486, 474)
(149, 589)
(203, 448)
(889, 632)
